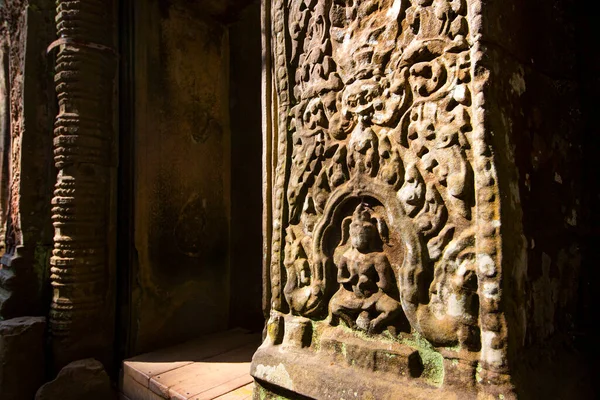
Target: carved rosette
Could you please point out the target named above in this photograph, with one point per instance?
(385, 202)
(83, 154)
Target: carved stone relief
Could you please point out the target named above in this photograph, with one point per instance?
(4, 139)
(25, 152)
(384, 194)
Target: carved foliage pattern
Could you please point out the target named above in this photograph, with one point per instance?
(375, 207)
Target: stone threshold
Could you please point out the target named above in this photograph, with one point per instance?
(215, 366)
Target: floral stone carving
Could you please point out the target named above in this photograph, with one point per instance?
(384, 197)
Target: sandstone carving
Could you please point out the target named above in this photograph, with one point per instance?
(83, 155)
(367, 297)
(384, 194)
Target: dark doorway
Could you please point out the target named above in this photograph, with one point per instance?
(190, 245)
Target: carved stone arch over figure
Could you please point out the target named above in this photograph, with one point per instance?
(354, 212)
(340, 208)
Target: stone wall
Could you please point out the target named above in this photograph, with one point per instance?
(246, 159)
(535, 97)
(181, 176)
(196, 172)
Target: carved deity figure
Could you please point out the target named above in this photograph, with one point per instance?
(299, 293)
(364, 299)
(358, 101)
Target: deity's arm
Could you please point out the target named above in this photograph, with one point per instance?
(343, 275)
(303, 271)
(292, 280)
(350, 157)
(384, 271)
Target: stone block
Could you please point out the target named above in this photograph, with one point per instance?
(21, 357)
(82, 379)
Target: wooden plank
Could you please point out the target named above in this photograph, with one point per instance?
(209, 382)
(143, 367)
(201, 376)
(234, 385)
(243, 393)
(136, 391)
(141, 372)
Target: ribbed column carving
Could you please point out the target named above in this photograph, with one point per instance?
(83, 154)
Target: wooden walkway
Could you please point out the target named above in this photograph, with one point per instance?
(212, 367)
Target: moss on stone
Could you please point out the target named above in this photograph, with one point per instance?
(262, 393)
(366, 336)
(433, 362)
(455, 349)
(316, 337)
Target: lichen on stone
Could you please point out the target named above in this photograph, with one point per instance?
(433, 361)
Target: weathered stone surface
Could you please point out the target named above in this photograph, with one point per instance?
(22, 361)
(543, 164)
(181, 176)
(82, 379)
(26, 174)
(400, 207)
(219, 10)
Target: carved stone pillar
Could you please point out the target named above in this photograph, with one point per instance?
(394, 264)
(82, 310)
